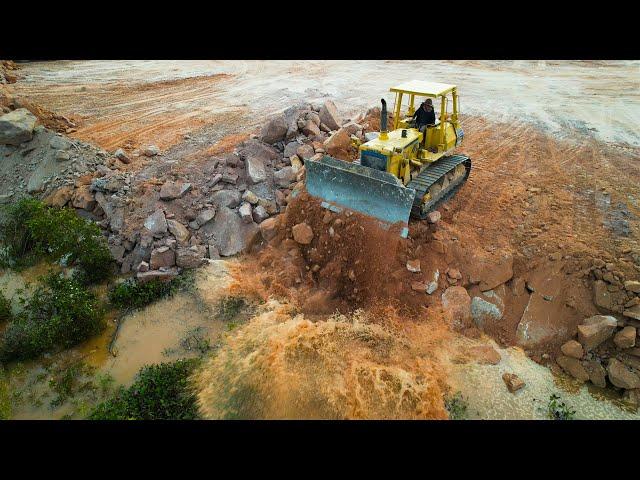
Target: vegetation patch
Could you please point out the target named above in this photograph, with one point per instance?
(61, 312)
(160, 392)
(132, 294)
(557, 410)
(5, 309)
(230, 307)
(30, 230)
(456, 405)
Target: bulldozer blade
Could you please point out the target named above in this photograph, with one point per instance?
(356, 187)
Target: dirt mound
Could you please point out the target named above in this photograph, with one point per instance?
(350, 263)
(50, 120)
(347, 367)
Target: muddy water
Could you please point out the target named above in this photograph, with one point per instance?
(182, 326)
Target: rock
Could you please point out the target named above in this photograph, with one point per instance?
(151, 151)
(457, 303)
(284, 177)
(484, 312)
(305, 151)
(633, 312)
(352, 127)
(337, 145)
(205, 216)
(632, 397)
(83, 198)
(255, 170)
(230, 234)
(413, 266)
(494, 272)
(245, 212)
(434, 217)
(143, 267)
(621, 376)
(173, 190)
(249, 196)
(329, 115)
(625, 338)
(419, 287)
(454, 273)
(274, 130)
(632, 286)
(513, 382)
(539, 323)
(311, 129)
(230, 177)
(17, 127)
(59, 143)
(226, 198)
(269, 228)
(259, 214)
(572, 349)
(179, 231)
(601, 296)
(432, 286)
(162, 257)
(214, 254)
(59, 198)
(573, 367)
(156, 223)
(62, 156)
(484, 354)
(597, 373)
(518, 286)
(291, 149)
(296, 163)
(596, 330)
(162, 275)
(122, 156)
(191, 257)
(302, 233)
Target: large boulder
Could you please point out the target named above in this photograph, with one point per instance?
(162, 257)
(274, 130)
(255, 169)
(191, 257)
(491, 272)
(269, 228)
(179, 231)
(572, 349)
(230, 234)
(595, 330)
(621, 376)
(625, 338)
(513, 382)
(456, 302)
(173, 190)
(83, 198)
(156, 223)
(162, 275)
(205, 216)
(539, 323)
(602, 297)
(329, 115)
(337, 145)
(484, 312)
(597, 373)
(17, 127)
(284, 177)
(226, 198)
(573, 367)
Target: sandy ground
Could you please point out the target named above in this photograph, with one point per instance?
(143, 101)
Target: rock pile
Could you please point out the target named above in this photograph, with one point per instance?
(605, 349)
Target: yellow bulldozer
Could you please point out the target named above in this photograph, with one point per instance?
(403, 172)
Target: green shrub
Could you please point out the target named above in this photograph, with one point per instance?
(133, 294)
(60, 312)
(31, 230)
(456, 406)
(5, 309)
(160, 392)
(230, 307)
(557, 410)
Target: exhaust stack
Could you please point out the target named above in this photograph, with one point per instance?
(383, 121)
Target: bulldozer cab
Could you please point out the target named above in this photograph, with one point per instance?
(409, 96)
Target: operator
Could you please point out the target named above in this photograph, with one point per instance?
(425, 115)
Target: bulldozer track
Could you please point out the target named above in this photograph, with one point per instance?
(430, 176)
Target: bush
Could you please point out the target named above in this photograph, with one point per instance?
(456, 406)
(61, 312)
(557, 410)
(30, 230)
(132, 294)
(160, 392)
(5, 309)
